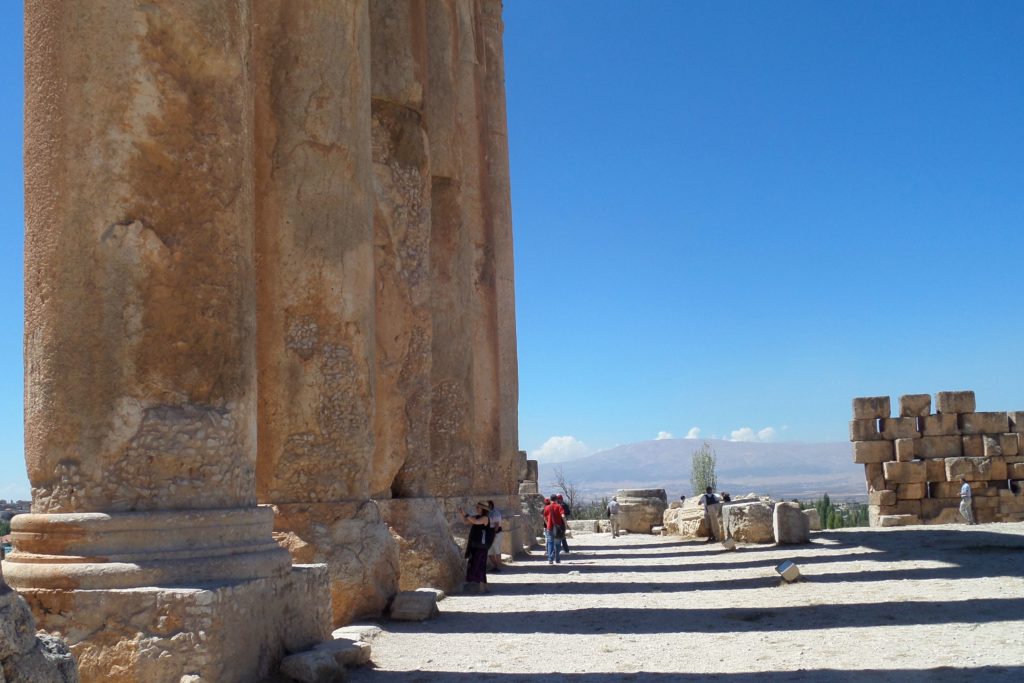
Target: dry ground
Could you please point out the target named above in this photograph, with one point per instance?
(911, 604)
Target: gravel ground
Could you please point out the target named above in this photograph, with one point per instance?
(907, 604)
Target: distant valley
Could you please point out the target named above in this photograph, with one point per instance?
(783, 470)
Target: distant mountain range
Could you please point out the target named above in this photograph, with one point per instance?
(782, 470)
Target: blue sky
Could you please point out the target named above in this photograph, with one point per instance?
(727, 215)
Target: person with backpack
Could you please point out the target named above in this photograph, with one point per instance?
(708, 501)
(613, 516)
(567, 513)
(478, 543)
(554, 529)
(495, 550)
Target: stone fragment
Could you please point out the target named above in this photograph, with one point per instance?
(900, 428)
(689, 522)
(943, 424)
(866, 452)
(17, 627)
(910, 491)
(748, 522)
(414, 606)
(904, 449)
(973, 446)
(532, 471)
(313, 666)
(976, 469)
(882, 498)
(868, 407)
(991, 446)
(813, 519)
(954, 402)
(938, 447)
(1016, 418)
(427, 554)
(641, 509)
(347, 653)
(904, 472)
(984, 423)
(1015, 471)
(1009, 444)
(915, 405)
(790, 524)
(864, 430)
(874, 477)
(935, 470)
(898, 520)
(527, 488)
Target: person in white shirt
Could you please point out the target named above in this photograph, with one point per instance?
(613, 516)
(495, 549)
(966, 500)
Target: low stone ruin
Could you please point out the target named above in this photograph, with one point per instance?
(746, 519)
(640, 510)
(912, 462)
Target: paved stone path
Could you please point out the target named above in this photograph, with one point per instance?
(910, 604)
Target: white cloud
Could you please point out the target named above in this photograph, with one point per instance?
(663, 435)
(742, 434)
(559, 448)
(748, 434)
(694, 433)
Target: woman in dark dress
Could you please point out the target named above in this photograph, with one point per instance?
(477, 544)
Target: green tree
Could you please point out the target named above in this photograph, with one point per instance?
(5, 527)
(702, 469)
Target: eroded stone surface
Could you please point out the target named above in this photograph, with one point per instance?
(354, 541)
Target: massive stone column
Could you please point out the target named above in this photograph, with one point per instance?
(316, 321)
(507, 463)
(402, 231)
(408, 292)
(140, 347)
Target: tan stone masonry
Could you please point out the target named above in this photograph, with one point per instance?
(912, 463)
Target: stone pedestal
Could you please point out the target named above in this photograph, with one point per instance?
(234, 632)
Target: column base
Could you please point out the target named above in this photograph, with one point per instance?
(232, 633)
(94, 550)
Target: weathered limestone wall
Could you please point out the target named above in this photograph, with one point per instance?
(912, 462)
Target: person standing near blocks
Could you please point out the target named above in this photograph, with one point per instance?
(613, 516)
(966, 498)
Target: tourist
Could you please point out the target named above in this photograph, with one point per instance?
(613, 516)
(966, 500)
(567, 513)
(495, 550)
(706, 501)
(554, 529)
(477, 544)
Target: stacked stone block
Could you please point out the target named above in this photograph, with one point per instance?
(913, 460)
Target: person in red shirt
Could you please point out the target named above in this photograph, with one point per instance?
(554, 529)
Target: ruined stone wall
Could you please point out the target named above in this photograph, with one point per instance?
(912, 462)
